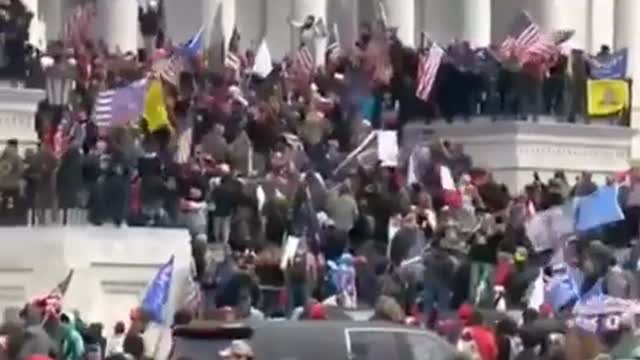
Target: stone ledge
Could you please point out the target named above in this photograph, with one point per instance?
(112, 266)
(513, 150)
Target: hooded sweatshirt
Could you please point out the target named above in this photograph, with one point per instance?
(72, 345)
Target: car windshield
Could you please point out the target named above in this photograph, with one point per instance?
(198, 349)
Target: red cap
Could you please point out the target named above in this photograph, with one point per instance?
(316, 312)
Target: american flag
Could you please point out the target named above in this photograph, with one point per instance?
(231, 58)
(171, 68)
(526, 42)
(120, 106)
(303, 62)
(51, 303)
(428, 71)
(232, 61)
(78, 26)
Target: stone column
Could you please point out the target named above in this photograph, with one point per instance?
(118, 23)
(401, 14)
(251, 22)
(278, 30)
(344, 13)
(626, 30)
(602, 26)
(457, 19)
(502, 15)
(476, 25)
(229, 17)
(563, 15)
(54, 19)
(179, 18)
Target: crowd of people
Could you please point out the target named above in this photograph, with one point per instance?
(262, 164)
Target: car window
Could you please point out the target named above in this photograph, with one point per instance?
(198, 349)
(372, 345)
(422, 347)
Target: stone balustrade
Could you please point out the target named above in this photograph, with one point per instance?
(18, 107)
(514, 150)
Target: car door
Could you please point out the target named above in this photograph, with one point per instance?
(420, 346)
(372, 344)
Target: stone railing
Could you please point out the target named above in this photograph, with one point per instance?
(513, 150)
(18, 107)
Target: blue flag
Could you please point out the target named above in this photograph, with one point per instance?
(599, 208)
(158, 291)
(194, 46)
(612, 67)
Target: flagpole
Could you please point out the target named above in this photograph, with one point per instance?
(336, 33)
(355, 152)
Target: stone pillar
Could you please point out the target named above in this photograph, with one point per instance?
(401, 14)
(251, 22)
(54, 19)
(563, 15)
(118, 23)
(179, 18)
(457, 19)
(344, 13)
(277, 28)
(626, 30)
(229, 12)
(602, 26)
(476, 25)
(503, 13)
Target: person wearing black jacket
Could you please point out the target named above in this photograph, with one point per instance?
(225, 198)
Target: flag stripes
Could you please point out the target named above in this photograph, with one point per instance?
(428, 71)
(303, 62)
(78, 25)
(527, 43)
(232, 61)
(119, 106)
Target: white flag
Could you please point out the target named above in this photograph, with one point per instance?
(446, 179)
(537, 293)
(263, 63)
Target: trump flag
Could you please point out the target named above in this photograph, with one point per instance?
(157, 294)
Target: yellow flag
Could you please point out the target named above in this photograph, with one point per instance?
(607, 97)
(155, 110)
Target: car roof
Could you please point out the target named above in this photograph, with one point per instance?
(294, 328)
(303, 339)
